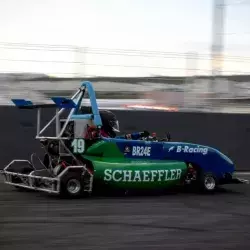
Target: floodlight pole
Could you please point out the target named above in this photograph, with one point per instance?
(217, 41)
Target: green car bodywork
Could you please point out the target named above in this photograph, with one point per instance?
(111, 169)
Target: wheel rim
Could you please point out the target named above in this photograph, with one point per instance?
(210, 182)
(73, 186)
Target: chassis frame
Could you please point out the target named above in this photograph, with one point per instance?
(61, 104)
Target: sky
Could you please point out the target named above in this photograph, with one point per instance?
(169, 26)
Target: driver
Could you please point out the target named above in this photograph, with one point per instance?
(110, 124)
(111, 127)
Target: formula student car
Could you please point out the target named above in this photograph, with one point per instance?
(86, 155)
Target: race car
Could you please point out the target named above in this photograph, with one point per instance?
(87, 155)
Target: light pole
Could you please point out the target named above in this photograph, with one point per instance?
(217, 47)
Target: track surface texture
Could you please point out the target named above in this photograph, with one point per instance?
(176, 220)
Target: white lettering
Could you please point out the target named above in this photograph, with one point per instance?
(188, 149)
(178, 175)
(178, 149)
(138, 151)
(154, 174)
(141, 151)
(127, 174)
(146, 175)
(117, 172)
(185, 149)
(142, 175)
(166, 176)
(172, 174)
(137, 176)
(148, 151)
(205, 150)
(108, 174)
(134, 151)
(161, 174)
(191, 150)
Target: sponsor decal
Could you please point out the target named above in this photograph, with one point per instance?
(188, 149)
(141, 151)
(127, 149)
(142, 175)
(171, 149)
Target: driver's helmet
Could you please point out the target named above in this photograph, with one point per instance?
(109, 122)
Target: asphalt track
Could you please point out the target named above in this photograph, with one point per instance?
(176, 220)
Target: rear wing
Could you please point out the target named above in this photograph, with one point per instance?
(61, 104)
(26, 104)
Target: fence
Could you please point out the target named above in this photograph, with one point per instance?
(73, 61)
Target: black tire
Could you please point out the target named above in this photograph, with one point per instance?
(207, 183)
(72, 185)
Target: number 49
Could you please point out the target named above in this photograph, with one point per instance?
(78, 146)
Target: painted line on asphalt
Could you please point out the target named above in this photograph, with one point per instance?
(242, 173)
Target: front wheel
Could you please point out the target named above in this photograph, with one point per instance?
(72, 185)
